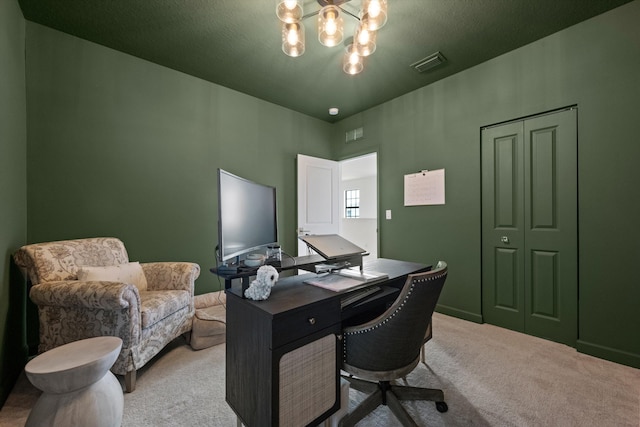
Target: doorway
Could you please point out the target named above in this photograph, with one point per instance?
(529, 226)
(359, 202)
(323, 207)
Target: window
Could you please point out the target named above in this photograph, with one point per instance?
(352, 204)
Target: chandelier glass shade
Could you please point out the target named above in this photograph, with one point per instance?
(364, 40)
(352, 62)
(293, 39)
(289, 11)
(330, 25)
(374, 12)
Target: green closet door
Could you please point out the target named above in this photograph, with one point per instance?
(529, 226)
(503, 226)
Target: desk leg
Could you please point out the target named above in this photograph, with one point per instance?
(245, 285)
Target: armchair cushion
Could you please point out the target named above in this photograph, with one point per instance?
(130, 272)
(157, 305)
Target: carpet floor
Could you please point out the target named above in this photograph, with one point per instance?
(490, 377)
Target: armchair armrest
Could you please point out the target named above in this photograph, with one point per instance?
(75, 309)
(86, 294)
(171, 275)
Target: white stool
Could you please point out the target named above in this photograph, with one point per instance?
(78, 388)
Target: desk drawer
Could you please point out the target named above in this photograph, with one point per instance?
(293, 325)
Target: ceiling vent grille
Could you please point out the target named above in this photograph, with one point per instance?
(429, 62)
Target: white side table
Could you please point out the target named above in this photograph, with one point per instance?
(78, 388)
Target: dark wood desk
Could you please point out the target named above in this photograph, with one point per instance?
(282, 359)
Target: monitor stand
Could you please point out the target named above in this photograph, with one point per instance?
(232, 271)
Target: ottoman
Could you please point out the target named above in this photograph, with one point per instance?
(209, 323)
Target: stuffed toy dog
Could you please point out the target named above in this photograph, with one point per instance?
(260, 289)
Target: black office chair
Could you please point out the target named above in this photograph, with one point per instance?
(388, 348)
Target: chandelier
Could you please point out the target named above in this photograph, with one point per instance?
(372, 16)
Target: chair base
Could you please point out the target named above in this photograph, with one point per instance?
(384, 393)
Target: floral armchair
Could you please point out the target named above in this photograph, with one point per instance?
(87, 287)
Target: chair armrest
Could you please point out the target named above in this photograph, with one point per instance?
(71, 310)
(86, 294)
(171, 275)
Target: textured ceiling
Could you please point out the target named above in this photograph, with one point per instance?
(236, 43)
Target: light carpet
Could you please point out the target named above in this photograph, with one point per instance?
(490, 377)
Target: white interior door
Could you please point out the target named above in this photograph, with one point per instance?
(318, 198)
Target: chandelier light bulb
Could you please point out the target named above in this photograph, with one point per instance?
(293, 39)
(374, 12)
(289, 11)
(363, 36)
(365, 40)
(330, 26)
(352, 62)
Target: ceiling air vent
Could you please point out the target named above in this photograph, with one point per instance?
(354, 134)
(429, 62)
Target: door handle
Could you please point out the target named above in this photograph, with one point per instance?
(505, 240)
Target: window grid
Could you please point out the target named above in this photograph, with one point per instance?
(352, 204)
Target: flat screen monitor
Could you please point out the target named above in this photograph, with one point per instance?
(247, 217)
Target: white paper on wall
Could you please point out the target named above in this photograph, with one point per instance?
(424, 188)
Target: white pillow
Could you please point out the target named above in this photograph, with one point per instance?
(125, 273)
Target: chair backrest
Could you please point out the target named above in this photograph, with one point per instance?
(53, 261)
(392, 341)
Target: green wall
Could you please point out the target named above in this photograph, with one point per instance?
(13, 190)
(122, 147)
(595, 65)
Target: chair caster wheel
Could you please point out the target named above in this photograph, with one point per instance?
(442, 406)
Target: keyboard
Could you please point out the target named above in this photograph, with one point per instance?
(359, 295)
